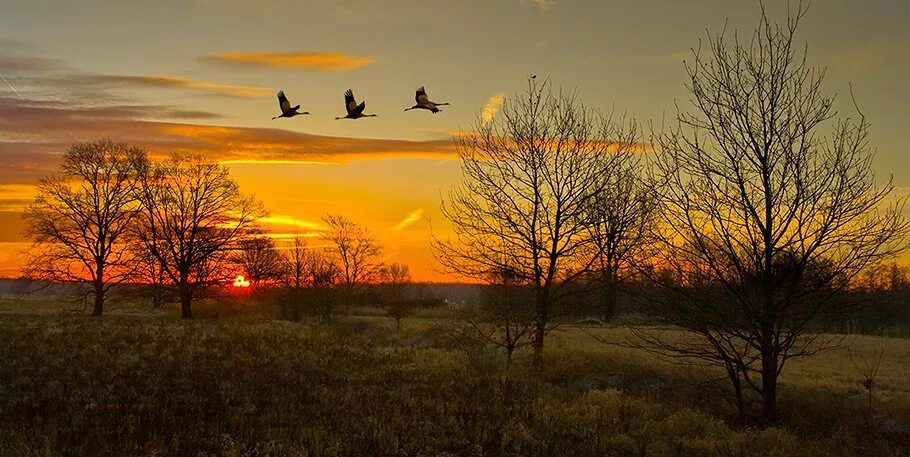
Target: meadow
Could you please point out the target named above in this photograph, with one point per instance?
(143, 383)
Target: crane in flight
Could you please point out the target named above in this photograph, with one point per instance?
(286, 109)
(354, 110)
(424, 103)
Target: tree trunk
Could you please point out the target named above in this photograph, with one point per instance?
(158, 290)
(99, 297)
(769, 394)
(326, 297)
(737, 392)
(540, 326)
(609, 298)
(768, 378)
(186, 301)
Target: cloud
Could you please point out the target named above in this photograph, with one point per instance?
(255, 161)
(180, 83)
(314, 61)
(291, 222)
(411, 218)
(33, 134)
(264, 145)
(491, 107)
(16, 197)
(25, 63)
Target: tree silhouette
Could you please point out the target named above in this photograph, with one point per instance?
(622, 220)
(394, 278)
(357, 251)
(766, 215)
(260, 260)
(193, 215)
(529, 179)
(507, 318)
(80, 218)
(310, 274)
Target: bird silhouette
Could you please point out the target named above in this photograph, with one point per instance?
(286, 109)
(355, 111)
(424, 103)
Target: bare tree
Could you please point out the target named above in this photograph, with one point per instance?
(150, 271)
(622, 219)
(395, 277)
(868, 368)
(767, 217)
(296, 274)
(310, 275)
(193, 215)
(260, 259)
(79, 220)
(529, 178)
(507, 317)
(358, 252)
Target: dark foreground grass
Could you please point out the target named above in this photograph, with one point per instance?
(126, 385)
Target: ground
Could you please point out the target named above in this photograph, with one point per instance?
(148, 383)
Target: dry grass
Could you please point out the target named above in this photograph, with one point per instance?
(151, 384)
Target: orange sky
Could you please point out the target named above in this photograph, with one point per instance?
(199, 76)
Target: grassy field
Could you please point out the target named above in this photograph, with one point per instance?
(147, 383)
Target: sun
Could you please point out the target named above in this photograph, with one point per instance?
(240, 281)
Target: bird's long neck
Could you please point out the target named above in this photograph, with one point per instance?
(442, 104)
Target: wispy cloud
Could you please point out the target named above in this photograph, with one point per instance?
(255, 161)
(314, 61)
(16, 197)
(176, 82)
(491, 107)
(33, 134)
(289, 221)
(545, 4)
(411, 218)
(27, 63)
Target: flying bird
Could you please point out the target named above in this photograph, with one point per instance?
(355, 111)
(286, 109)
(424, 103)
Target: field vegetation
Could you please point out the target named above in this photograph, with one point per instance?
(140, 382)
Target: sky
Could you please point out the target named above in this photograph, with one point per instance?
(200, 76)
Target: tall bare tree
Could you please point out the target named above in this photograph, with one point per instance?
(193, 215)
(529, 178)
(310, 274)
(80, 218)
(357, 250)
(260, 259)
(770, 207)
(623, 218)
(150, 272)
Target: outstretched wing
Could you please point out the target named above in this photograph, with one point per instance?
(421, 96)
(359, 108)
(349, 103)
(283, 102)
